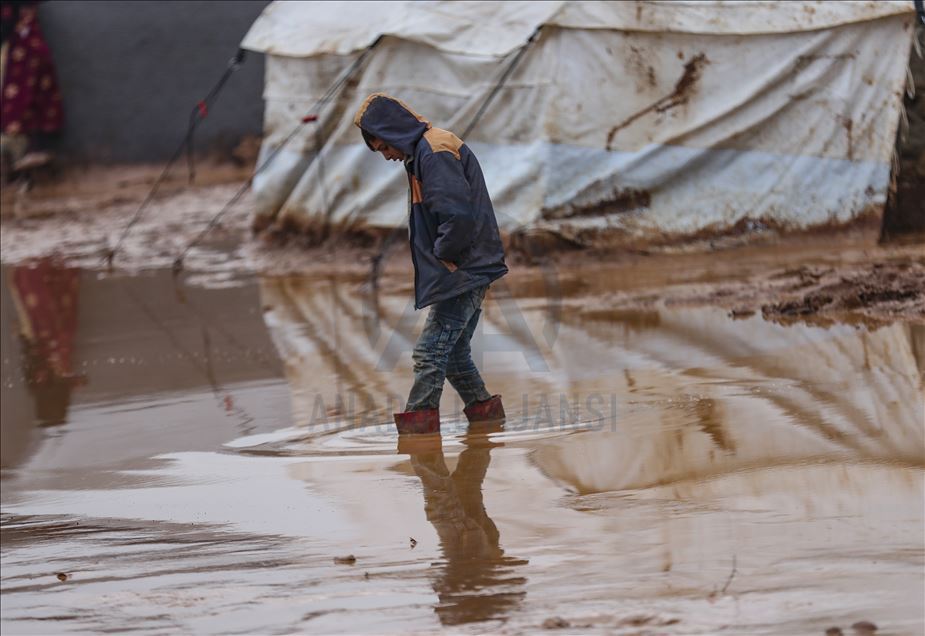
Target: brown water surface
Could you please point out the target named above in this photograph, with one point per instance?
(200, 458)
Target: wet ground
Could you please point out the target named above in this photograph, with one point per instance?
(823, 277)
(213, 455)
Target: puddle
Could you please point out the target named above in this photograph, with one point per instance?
(195, 458)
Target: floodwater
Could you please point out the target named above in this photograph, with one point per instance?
(216, 457)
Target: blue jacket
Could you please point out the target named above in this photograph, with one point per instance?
(451, 216)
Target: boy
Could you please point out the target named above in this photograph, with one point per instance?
(456, 251)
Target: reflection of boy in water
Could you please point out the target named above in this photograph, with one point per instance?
(45, 295)
(468, 586)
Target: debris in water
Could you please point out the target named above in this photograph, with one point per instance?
(637, 621)
(739, 313)
(712, 596)
(731, 575)
(414, 542)
(811, 304)
(555, 622)
(864, 628)
(834, 631)
(345, 560)
(62, 576)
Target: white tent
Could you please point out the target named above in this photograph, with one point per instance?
(621, 120)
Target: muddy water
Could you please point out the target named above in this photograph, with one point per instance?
(200, 458)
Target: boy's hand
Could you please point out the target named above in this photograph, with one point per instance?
(449, 265)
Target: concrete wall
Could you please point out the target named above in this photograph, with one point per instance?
(130, 72)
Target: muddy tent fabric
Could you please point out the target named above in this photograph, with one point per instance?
(635, 120)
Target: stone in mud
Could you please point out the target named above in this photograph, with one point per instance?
(864, 628)
(810, 304)
(555, 622)
(345, 560)
(62, 576)
(834, 631)
(639, 620)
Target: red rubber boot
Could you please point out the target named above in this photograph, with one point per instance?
(414, 422)
(490, 409)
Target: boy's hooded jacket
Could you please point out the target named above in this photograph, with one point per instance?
(451, 216)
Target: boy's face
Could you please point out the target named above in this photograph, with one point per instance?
(387, 151)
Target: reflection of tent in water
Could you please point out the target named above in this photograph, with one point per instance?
(809, 394)
(640, 118)
(737, 430)
(817, 392)
(348, 357)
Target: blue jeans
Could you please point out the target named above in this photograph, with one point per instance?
(442, 352)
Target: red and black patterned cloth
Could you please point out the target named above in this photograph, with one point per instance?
(30, 96)
(45, 293)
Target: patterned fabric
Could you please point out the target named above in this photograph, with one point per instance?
(45, 294)
(30, 97)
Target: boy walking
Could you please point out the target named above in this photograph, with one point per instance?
(456, 251)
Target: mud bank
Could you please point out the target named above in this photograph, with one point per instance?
(874, 287)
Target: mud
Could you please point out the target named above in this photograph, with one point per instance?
(871, 293)
(817, 279)
(620, 200)
(697, 441)
(755, 267)
(683, 89)
(804, 61)
(878, 288)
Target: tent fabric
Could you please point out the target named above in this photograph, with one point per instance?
(732, 17)
(626, 131)
(306, 29)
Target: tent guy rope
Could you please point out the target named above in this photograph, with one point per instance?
(199, 112)
(311, 116)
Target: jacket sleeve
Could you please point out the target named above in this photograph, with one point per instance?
(445, 192)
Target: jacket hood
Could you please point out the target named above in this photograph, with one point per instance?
(392, 121)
